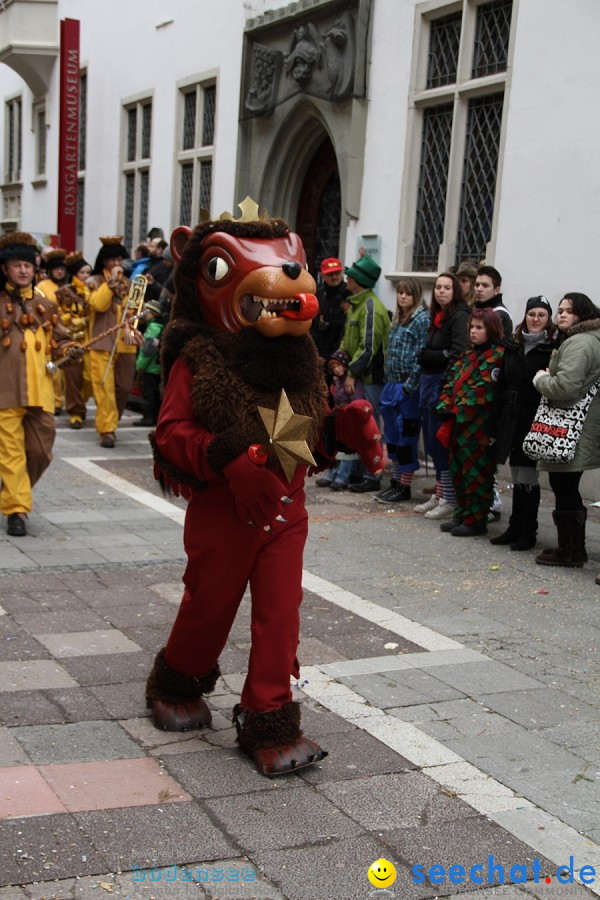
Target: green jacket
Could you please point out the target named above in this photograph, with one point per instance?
(365, 337)
(148, 359)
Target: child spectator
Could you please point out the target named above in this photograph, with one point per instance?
(400, 396)
(148, 365)
(467, 405)
(348, 465)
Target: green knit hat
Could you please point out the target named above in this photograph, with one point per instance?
(365, 271)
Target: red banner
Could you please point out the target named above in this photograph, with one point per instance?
(68, 145)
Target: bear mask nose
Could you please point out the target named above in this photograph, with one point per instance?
(292, 269)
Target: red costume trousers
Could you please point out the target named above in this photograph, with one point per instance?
(224, 556)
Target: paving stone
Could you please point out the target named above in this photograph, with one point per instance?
(145, 837)
(113, 668)
(25, 792)
(480, 679)
(112, 784)
(541, 708)
(87, 643)
(122, 701)
(317, 721)
(401, 688)
(147, 613)
(229, 773)
(148, 637)
(354, 754)
(77, 742)
(16, 643)
(60, 621)
(332, 869)
(36, 673)
(464, 842)
(43, 848)
(28, 708)
(583, 738)
(11, 752)
(404, 800)
(290, 817)
(163, 742)
(77, 704)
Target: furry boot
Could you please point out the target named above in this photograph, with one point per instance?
(571, 553)
(274, 739)
(176, 699)
(529, 518)
(514, 523)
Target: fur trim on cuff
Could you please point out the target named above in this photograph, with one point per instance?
(173, 475)
(224, 448)
(165, 683)
(267, 729)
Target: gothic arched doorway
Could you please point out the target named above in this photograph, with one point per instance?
(319, 207)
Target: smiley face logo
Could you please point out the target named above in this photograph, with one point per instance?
(381, 873)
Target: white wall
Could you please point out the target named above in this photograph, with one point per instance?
(549, 225)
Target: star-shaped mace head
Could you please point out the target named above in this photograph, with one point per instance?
(287, 435)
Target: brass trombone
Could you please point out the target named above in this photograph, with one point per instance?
(132, 309)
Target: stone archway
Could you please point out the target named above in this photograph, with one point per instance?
(319, 207)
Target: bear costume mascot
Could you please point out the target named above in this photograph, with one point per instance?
(238, 336)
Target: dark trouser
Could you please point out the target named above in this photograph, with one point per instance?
(151, 396)
(565, 486)
(74, 389)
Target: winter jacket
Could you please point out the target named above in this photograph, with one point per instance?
(445, 344)
(148, 359)
(366, 336)
(497, 305)
(404, 345)
(574, 367)
(328, 326)
(518, 399)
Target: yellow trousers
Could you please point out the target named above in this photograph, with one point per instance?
(107, 415)
(26, 440)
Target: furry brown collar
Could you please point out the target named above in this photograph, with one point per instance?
(582, 327)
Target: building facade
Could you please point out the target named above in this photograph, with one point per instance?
(424, 132)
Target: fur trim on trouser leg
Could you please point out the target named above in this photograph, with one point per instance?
(165, 683)
(267, 729)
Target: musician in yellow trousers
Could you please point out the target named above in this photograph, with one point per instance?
(56, 271)
(108, 289)
(30, 332)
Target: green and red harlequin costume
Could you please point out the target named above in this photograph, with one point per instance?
(469, 395)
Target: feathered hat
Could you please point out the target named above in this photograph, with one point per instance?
(112, 248)
(75, 261)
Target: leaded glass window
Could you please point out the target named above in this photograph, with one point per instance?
(196, 136)
(185, 202)
(479, 176)
(131, 133)
(433, 185)
(41, 141)
(208, 116)
(442, 60)
(129, 200)
(205, 183)
(14, 140)
(144, 188)
(492, 33)
(146, 129)
(189, 121)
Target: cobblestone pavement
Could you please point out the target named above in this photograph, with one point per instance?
(454, 684)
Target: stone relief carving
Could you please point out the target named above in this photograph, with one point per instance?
(266, 69)
(320, 63)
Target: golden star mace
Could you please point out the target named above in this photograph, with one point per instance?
(287, 435)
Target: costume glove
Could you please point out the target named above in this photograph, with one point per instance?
(257, 492)
(357, 430)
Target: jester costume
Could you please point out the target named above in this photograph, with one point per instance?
(467, 404)
(238, 336)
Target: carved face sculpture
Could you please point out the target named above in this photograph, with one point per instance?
(253, 283)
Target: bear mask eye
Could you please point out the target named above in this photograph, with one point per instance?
(217, 268)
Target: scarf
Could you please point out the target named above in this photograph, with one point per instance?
(531, 341)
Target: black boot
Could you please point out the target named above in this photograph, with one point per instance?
(571, 553)
(514, 523)
(529, 520)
